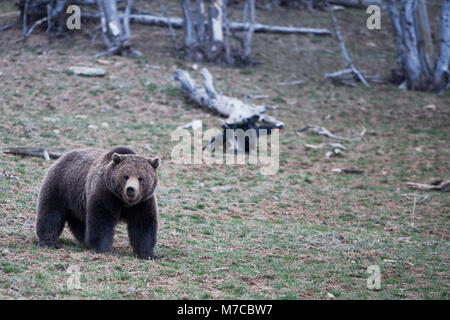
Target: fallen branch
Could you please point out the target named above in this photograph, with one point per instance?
(39, 22)
(349, 171)
(347, 77)
(324, 132)
(290, 83)
(360, 4)
(33, 152)
(440, 185)
(6, 27)
(325, 145)
(350, 66)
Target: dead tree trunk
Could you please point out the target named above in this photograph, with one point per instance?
(419, 68)
(35, 13)
(247, 43)
(115, 30)
(239, 115)
(204, 38)
(441, 73)
(215, 47)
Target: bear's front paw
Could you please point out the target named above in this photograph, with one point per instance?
(102, 250)
(148, 257)
(50, 244)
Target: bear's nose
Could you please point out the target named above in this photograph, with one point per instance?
(130, 191)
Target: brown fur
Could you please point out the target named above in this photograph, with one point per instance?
(92, 190)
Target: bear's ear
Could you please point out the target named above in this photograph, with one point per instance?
(116, 158)
(155, 162)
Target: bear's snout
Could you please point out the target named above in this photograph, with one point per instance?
(131, 189)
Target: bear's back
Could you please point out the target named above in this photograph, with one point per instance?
(69, 176)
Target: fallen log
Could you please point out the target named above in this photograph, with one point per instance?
(236, 111)
(360, 4)
(33, 152)
(176, 22)
(239, 115)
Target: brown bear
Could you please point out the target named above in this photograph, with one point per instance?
(93, 190)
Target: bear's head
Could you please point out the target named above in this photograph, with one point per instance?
(132, 178)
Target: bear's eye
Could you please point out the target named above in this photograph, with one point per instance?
(141, 179)
(126, 177)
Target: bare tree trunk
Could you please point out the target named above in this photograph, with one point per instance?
(425, 33)
(418, 65)
(251, 29)
(191, 43)
(441, 75)
(413, 65)
(215, 47)
(115, 30)
(53, 9)
(201, 21)
(228, 57)
(204, 41)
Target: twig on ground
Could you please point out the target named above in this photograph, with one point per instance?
(324, 132)
(256, 97)
(350, 171)
(220, 269)
(290, 83)
(324, 145)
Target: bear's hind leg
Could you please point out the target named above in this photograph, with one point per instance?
(49, 225)
(78, 228)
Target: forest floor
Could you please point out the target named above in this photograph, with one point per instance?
(302, 233)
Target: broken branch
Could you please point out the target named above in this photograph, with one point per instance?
(33, 152)
(324, 132)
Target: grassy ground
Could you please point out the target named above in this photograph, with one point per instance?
(302, 233)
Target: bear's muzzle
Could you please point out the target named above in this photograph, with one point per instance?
(131, 189)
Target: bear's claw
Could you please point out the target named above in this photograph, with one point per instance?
(50, 244)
